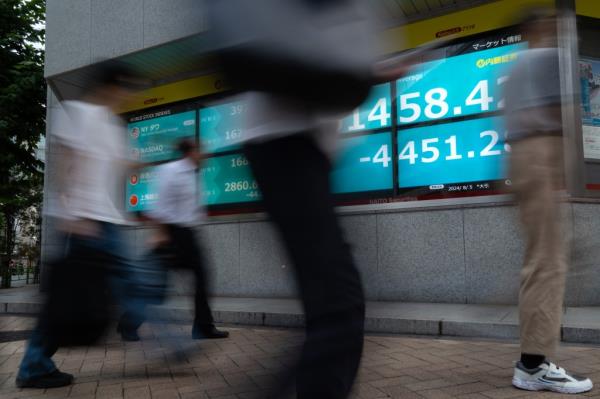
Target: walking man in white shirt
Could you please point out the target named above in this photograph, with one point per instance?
(179, 213)
(94, 161)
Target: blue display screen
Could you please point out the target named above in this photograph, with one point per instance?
(365, 163)
(374, 113)
(221, 126)
(456, 86)
(590, 91)
(467, 151)
(435, 131)
(227, 179)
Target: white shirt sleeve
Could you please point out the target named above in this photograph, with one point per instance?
(62, 130)
(164, 188)
(64, 127)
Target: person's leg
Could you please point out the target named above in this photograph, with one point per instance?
(190, 256)
(124, 280)
(37, 359)
(126, 289)
(293, 176)
(537, 174)
(37, 370)
(535, 170)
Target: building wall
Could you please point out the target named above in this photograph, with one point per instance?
(455, 255)
(80, 32)
(463, 255)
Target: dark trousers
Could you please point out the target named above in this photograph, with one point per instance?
(182, 252)
(41, 347)
(188, 255)
(293, 176)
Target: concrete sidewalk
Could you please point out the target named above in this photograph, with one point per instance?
(242, 366)
(580, 325)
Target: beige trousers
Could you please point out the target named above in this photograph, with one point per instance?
(537, 175)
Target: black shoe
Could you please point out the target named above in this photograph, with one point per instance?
(128, 334)
(54, 379)
(208, 332)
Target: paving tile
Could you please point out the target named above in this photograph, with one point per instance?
(248, 363)
(142, 392)
(109, 391)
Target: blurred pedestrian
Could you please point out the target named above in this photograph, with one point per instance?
(533, 115)
(93, 163)
(178, 214)
(302, 63)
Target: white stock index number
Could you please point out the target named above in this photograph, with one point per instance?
(236, 109)
(240, 185)
(430, 149)
(378, 114)
(436, 105)
(239, 162)
(382, 156)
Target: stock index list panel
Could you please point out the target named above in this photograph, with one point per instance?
(141, 190)
(153, 137)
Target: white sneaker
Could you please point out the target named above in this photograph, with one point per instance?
(549, 377)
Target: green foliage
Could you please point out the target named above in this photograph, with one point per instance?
(22, 114)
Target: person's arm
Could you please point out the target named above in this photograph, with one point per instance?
(159, 235)
(159, 215)
(165, 191)
(66, 133)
